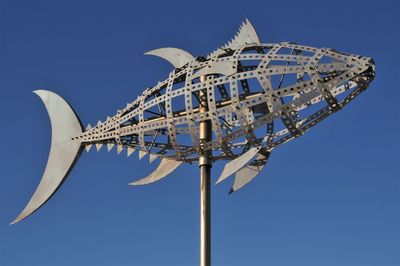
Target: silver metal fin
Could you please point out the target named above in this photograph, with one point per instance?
(225, 68)
(165, 167)
(177, 57)
(63, 152)
(152, 157)
(119, 149)
(98, 146)
(110, 146)
(88, 147)
(142, 154)
(129, 151)
(248, 172)
(246, 35)
(233, 166)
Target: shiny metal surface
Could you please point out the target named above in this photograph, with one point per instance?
(165, 167)
(248, 172)
(177, 57)
(205, 164)
(236, 104)
(63, 151)
(271, 84)
(258, 95)
(238, 163)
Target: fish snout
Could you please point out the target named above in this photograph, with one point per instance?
(367, 64)
(371, 66)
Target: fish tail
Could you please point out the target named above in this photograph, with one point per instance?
(64, 151)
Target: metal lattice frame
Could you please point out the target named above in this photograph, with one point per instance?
(236, 104)
(255, 96)
(241, 109)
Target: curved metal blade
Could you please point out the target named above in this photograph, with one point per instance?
(165, 167)
(63, 153)
(233, 166)
(177, 57)
(249, 172)
(225, 68)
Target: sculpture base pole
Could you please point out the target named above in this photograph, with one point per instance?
(205, 163)
(205, 216)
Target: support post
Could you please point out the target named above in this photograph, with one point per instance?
(205, 163)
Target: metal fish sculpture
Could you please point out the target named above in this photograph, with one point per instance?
(259, 95)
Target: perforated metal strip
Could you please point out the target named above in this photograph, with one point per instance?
(216, 125)
(312, 70)
(117, 128)
(170, 115)
(265, 79)
(189, 107)
(236, 104)
(141, 120)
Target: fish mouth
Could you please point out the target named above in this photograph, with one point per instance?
(348, 82)
(371, 70)
(365, 75)
(368, 75)
(368, 61)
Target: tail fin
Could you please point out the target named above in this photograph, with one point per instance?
(63, 153)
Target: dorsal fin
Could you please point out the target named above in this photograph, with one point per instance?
(246, 35)
(177, 57)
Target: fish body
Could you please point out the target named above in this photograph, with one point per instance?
(259, 96)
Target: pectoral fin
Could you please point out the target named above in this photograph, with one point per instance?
(247, 173)
(233, 166)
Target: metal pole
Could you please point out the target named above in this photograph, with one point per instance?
(205, 163)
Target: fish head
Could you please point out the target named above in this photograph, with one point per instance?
(289, 88)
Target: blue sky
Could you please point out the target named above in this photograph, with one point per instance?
(329, 198)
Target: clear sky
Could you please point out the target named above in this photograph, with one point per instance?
(329, 198)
